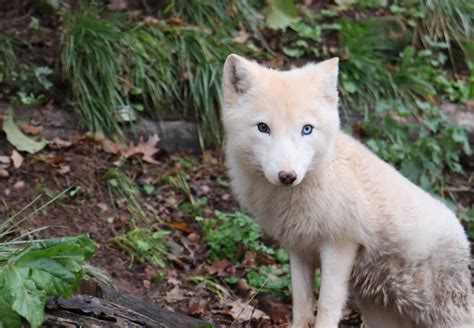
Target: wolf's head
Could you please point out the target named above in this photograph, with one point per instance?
(281, 123)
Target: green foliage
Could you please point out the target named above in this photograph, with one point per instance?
(364, 54)
(165, 70)
(145, 246)
(273, 280)
(281, 13)
(227, 232)
(422, 148)
(7, 56)
(447, 20)
(45, 268)
(122, 186)
(91, 65)
(468, 217)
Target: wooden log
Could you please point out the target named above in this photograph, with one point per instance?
(110, 308)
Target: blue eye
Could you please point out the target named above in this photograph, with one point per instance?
(307, 129)
(262, 127)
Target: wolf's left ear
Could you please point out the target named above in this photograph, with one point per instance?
(327, 72)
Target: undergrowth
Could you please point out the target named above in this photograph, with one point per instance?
(115, 70)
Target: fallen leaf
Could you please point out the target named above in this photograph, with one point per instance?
(110, 147)
(4, 173)
(103, 207)
(31, 129)
(17, 159)
(58, 143)
(176, 294)
(193, 237)
(197, 308)
(245, 311)
(5, 160)
(19, 184)
(219, 267)
(18, 139)
(183, 226)
(64, 169)
(146, 149)
(278, 312)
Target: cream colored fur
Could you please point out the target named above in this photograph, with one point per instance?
(398, 250)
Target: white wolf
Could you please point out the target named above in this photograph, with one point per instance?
(330, 202)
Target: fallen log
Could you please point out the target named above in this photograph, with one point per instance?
(107, 307)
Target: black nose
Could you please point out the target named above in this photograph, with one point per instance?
(287, 177)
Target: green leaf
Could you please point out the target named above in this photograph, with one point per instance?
(8, 317)
(18, 139)
(52, 267)
(281, 13)
(293, 52)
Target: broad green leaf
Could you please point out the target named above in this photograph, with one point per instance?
(281, 13)
(28, 301)
(52, 267)
(18, 139)
(8, 317)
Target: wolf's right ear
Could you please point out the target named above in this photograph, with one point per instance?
(237, 78)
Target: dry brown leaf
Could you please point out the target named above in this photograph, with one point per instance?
(19, 185)
(197, 308)
(58, 143)
(145, 149)
(4, 173)
(110, 147)
(31, 129)
(245, 312)
(5, 160)
(103, 207)
(17, 159)
(183, 226)
(176, 294)
(219, 267)
(64, 169)
(278, 312)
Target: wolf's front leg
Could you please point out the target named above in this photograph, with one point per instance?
(302, 278)
(336, 266)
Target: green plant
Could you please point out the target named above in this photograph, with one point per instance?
(180, 182)
(31, 270)
(364, 54)
(124, 187)
(421, 147)
(8, 59)
(224, 234)
(161, 69)
(468, 217)
(91, 65)
(44, 268)
(447, 20)
(145, 246)
(273, 280)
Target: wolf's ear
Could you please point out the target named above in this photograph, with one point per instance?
(327, 73)
(237, 78)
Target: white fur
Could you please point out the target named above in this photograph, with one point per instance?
(372, 230)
